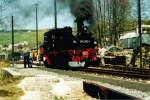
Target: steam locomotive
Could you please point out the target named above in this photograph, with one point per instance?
(62, 48)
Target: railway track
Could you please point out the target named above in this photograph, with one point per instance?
(126, 68)
(125, 73)
(114, 70)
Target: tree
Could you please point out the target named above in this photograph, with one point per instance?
(112, 17)
(3, 13)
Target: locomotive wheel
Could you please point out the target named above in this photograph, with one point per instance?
(87, 63)
(46, 64)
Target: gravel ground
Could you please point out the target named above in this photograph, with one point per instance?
(137, 88)
(42, 85)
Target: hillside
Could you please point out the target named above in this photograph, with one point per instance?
(29, 36)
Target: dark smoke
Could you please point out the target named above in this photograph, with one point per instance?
(82, 9)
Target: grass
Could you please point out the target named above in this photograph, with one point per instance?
(30, 37)
(4, 64)
(8, 86)
(9, 90)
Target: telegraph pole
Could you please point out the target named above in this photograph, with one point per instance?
(99, 32)
(36, 6)
(55, 13)
(12, 23)
(139, 29)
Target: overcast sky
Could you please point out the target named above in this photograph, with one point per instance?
(24, 13)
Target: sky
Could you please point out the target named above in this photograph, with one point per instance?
(24, 13)
(145, 8)
(63, 19)
(46, 14)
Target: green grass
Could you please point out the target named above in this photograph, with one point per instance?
(30, 37)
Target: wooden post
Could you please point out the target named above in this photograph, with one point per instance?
(12, 23)
(36, 5)
(139, 30)
(55, 13)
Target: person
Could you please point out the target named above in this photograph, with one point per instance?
(134, 56)
(100, 55)
(26, 55)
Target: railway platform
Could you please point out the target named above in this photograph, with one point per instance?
(41, 83)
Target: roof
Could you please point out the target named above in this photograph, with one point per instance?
(145, 26)
(129, 35)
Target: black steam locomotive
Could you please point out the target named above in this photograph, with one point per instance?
(62, 48)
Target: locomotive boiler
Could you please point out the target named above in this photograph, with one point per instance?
(62, 48)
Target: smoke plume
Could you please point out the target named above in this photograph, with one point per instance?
(82, 9)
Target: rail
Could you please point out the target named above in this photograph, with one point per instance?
(118, 72)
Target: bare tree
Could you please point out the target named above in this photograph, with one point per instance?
(120, 13)
(112, 17)
(3, 13)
